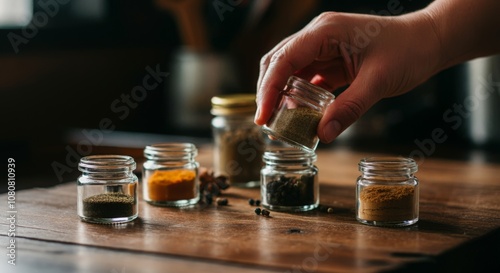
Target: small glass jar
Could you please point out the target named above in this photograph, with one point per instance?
(296, 119)
(289, 180)
(107, 189)
(238, 142)
(387, 192)
(170, 175)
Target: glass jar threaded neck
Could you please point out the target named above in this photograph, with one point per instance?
(289, 157)
(388, 167)
(114, 165)
(171, 152)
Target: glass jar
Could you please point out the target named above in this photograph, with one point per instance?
(170, 174)
(289, 180)
(238, 142)
(387, 192)
(107, 189)
(296, 119)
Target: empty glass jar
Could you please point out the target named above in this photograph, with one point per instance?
(387, 192)
(289, 180)
(107, 189)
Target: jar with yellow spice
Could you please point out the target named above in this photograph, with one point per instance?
(170, 174)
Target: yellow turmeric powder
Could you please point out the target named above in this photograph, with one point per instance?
(172, 185)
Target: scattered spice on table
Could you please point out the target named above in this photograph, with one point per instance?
(254, 202)
(323, 208)
(172, 185)
(222, 201)
(291, 191)
(257, 211)
(265, 212)
(211, 185)
(108, 205)
(387, 203)
(298, 124)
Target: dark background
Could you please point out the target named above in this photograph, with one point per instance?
(67, 76)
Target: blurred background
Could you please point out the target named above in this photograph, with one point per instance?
(71, 68)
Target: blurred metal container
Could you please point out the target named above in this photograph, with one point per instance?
(482, 101)
(196, 77)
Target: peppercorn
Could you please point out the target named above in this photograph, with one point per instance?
(208, 198)
(251, 202)
(257, 202)
(329, 210)
(291, 191)
(221, 201)
(257, 211)
(265, 212)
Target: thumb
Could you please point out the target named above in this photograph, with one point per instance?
(346, 109)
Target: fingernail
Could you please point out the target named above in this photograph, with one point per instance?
(257, 114)
(332, 130)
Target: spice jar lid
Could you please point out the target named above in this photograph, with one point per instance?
(234, 104)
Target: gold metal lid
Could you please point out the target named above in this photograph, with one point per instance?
(234, 104)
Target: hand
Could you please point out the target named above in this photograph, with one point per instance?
(378, 57)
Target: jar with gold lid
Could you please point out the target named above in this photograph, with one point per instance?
(238, 143)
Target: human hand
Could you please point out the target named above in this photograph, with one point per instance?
(378, 57)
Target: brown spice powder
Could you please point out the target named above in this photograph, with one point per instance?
(387, 203)
(298, 124)
(243, 147)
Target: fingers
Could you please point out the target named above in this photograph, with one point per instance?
(347, 108)
(264, 62)
(334, 73)
(290, 56)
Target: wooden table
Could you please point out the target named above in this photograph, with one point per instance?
(459, 229)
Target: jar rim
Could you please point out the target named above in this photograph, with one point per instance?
(106, 163)
(387, 163)
(288, 155)
(300, 83)
(172, 151)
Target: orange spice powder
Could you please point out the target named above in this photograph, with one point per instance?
(172, 185)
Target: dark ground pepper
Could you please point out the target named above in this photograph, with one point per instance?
(290, 191)
(298, 124)
(108, 205)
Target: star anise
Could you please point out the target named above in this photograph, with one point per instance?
(211, 185)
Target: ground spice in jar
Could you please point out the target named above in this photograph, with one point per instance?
(298, 125)
(290, 191)
(240, 154)
(172, 185)
(387, 203)
(108, 205)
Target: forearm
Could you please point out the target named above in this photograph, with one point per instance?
(465, 29)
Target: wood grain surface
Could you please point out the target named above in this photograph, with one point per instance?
(459, 204)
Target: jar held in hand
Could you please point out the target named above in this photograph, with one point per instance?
(296, 119)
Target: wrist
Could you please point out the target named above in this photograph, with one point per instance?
(465, 29)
